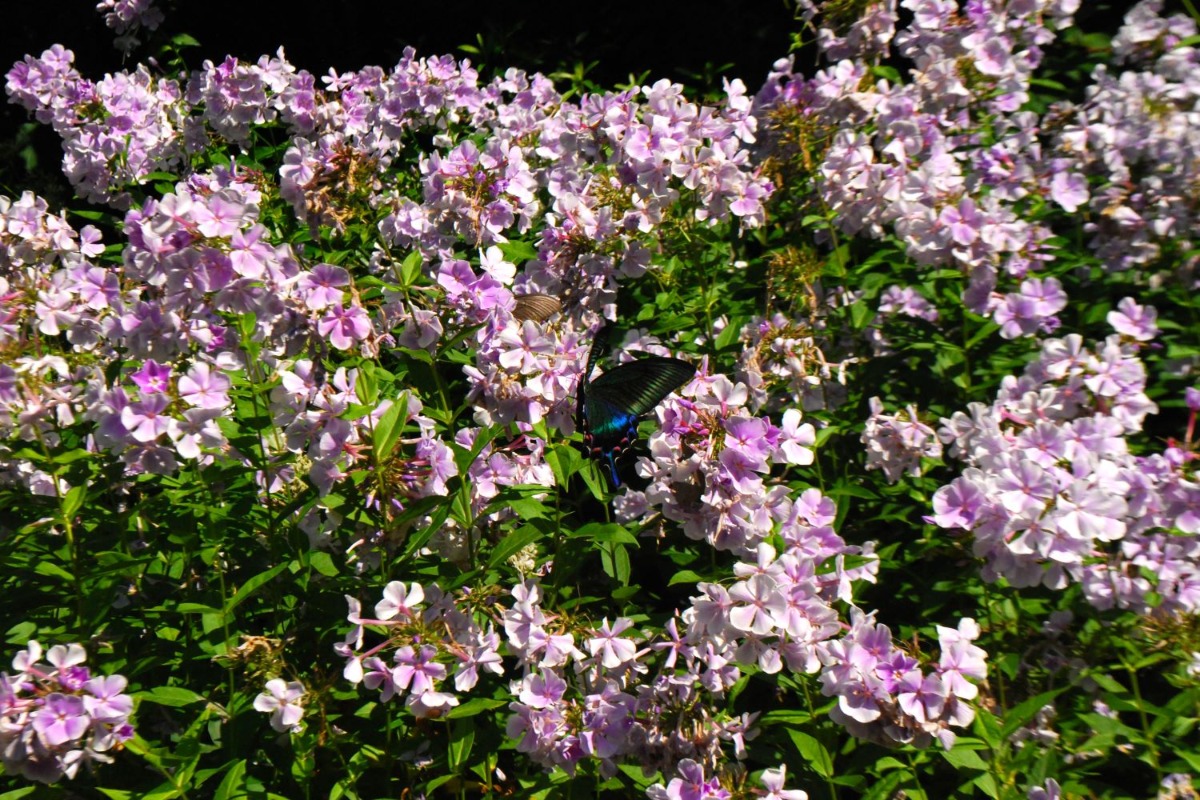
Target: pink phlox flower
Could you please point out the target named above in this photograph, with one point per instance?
(920, 696)
(375, 674)
(282, 700)
(62, 718)
(221, 216)
(197, 428)
(107, 703)
(416, 670)
(145, 419)
(773, 780)
(759, 605)
(483, 656)
(320, 286)
(399, 601)
(690, 785)
(611, 650)
(344, 326)
(204, 387)
(152, 378)
(525, 349)
(541, 689)
(1133, 320)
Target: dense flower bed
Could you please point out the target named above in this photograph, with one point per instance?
(941, 318)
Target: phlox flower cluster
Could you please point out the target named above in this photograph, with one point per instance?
(1052, 493)
(56, 717)
(903, 302)
(608, 170)
(429, 634)
(690, 783)
(115, 131)
(709, 464)
(311, 409)
(525, 371)
(784, 361)
(1136, 136)
(885, 696)
(611, 699)
(909, 158)
(867, 34)
(614, 692)
(46, 279)
(126, 17)
(896, 443)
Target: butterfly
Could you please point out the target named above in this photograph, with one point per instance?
(608, 408)
(537, 307)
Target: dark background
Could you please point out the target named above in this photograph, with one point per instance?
(695, 43)
(673, 39)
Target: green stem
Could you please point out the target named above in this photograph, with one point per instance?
(254, 378)
(812, 713)
(1141, 707)
(968, 378)
(995, 756)
(912, 765)
(69, 533)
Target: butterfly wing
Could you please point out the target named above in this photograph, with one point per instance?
(613, 402)
(597, 352)
(639, 386)
(537, 307)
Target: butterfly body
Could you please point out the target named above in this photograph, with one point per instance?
(611, 405)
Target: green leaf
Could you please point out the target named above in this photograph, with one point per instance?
(418, 541)
(195, 608)
(462, 739)
(606, 532)
(594, 479)
(16, 794)
(861, 315)
(475, 706)
(1108, 683)
(1024, 713)
(564, 461)
(73, 502)
(53, 570)
(322, 562)
(174, 696)
(514, 542)
(813, 752)
(517, 252)
(252, 585)
(964, 758)
(728, 335)
(366, 385)
(233, 784)
(388, 428)
(987, 728)
(410, 268)
(685, 576)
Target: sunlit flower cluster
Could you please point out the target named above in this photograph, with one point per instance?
(55, 717)
(1052, 493)
(907, 158)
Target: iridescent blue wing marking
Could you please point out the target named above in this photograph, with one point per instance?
(613, 402)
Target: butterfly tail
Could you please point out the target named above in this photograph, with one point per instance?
(612, 469)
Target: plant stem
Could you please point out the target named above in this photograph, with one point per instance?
(1141, 707)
